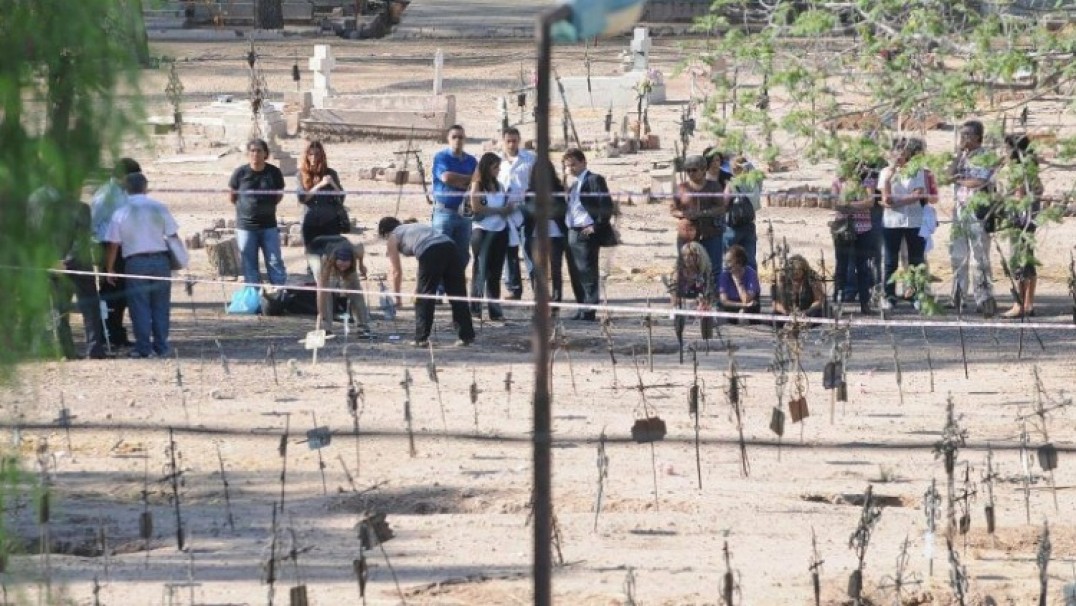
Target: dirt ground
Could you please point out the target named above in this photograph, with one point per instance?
(458, 504)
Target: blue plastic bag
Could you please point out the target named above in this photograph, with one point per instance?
(246, 301)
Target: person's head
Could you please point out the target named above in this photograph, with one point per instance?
(739, 165)
(386, 226)
(694, 260)
(456, 137)
(714, 159)
(257, 153)
(695, 167)
(510, 139)
(971, 135)
(135, 183)
(124, 167)
(489, 165)
(736, 258)
(905, 149)
(344, 258)
(1019, 147)
(313, 164)
(574, 161)
(798, 267)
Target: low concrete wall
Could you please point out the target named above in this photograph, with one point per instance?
(384, 115)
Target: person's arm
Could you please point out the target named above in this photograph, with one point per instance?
(324, 298)
(392, 251)
(110, 260)
(233, 184)
(778, 299)
(819, 293)
(360, 255)
(279, 185)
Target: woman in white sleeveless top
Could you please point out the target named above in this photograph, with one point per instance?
(489, 235)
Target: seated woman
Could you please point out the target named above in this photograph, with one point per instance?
(340, 268)
(693, 278)
(799, 290)
(738, 288)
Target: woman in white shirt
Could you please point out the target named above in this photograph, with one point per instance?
(489, 235)
(903, 196)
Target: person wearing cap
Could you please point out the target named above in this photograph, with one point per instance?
(341, 266)
(140, 228)
(699, 208)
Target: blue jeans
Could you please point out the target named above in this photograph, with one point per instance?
(149, 302)
(746, 237)
(268, 241)
(457, 228)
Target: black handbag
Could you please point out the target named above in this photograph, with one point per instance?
(343, 221)
(843, 229)
(741, 212)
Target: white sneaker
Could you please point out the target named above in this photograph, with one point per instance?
(886, 305)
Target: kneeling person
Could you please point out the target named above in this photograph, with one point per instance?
(738, 288)
(340, 268)
(438, 262)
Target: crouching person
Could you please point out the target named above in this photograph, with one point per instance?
(738, 288)
(340, 268)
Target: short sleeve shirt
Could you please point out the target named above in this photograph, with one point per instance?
(444, 162)
(256, 211)
(727, 287)
(141, 226)
(969, 168)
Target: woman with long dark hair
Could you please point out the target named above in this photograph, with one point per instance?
(321, 195)
(558, 229)
(489, 235)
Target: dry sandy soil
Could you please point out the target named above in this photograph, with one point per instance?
(459, 504)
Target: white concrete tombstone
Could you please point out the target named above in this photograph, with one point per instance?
(438, 72)
(322, 64)
(640, 49)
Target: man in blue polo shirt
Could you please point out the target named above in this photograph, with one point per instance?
(452, 172)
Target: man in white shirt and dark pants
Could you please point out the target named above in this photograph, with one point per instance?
(515, 177)
(140, 229)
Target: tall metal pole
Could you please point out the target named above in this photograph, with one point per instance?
(543, 458)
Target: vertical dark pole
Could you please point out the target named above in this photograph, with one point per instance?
(543, 459)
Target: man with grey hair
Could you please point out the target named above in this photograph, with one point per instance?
(972, 172)
(140, 229)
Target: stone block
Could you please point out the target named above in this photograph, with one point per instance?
(426, 116)
(223, 256)
(194, 242)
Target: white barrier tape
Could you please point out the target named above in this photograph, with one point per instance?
(413, 193)
(602, 308)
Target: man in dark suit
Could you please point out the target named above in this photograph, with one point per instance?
(590, 209)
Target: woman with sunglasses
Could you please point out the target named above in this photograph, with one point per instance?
(322, 197)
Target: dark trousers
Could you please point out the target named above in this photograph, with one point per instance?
(556, 265)
(583, 256)
(441, 263)
(488, 250)
(115, 297)
(854, 275)
(893, 238)
(84, 289)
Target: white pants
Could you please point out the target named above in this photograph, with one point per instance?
(968, 241)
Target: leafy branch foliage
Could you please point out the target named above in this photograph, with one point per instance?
(65, 67)
(898, 58)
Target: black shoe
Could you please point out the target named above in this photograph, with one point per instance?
(589, 316)
(577, 315)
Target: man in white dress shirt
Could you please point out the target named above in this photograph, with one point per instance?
(515, 177)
